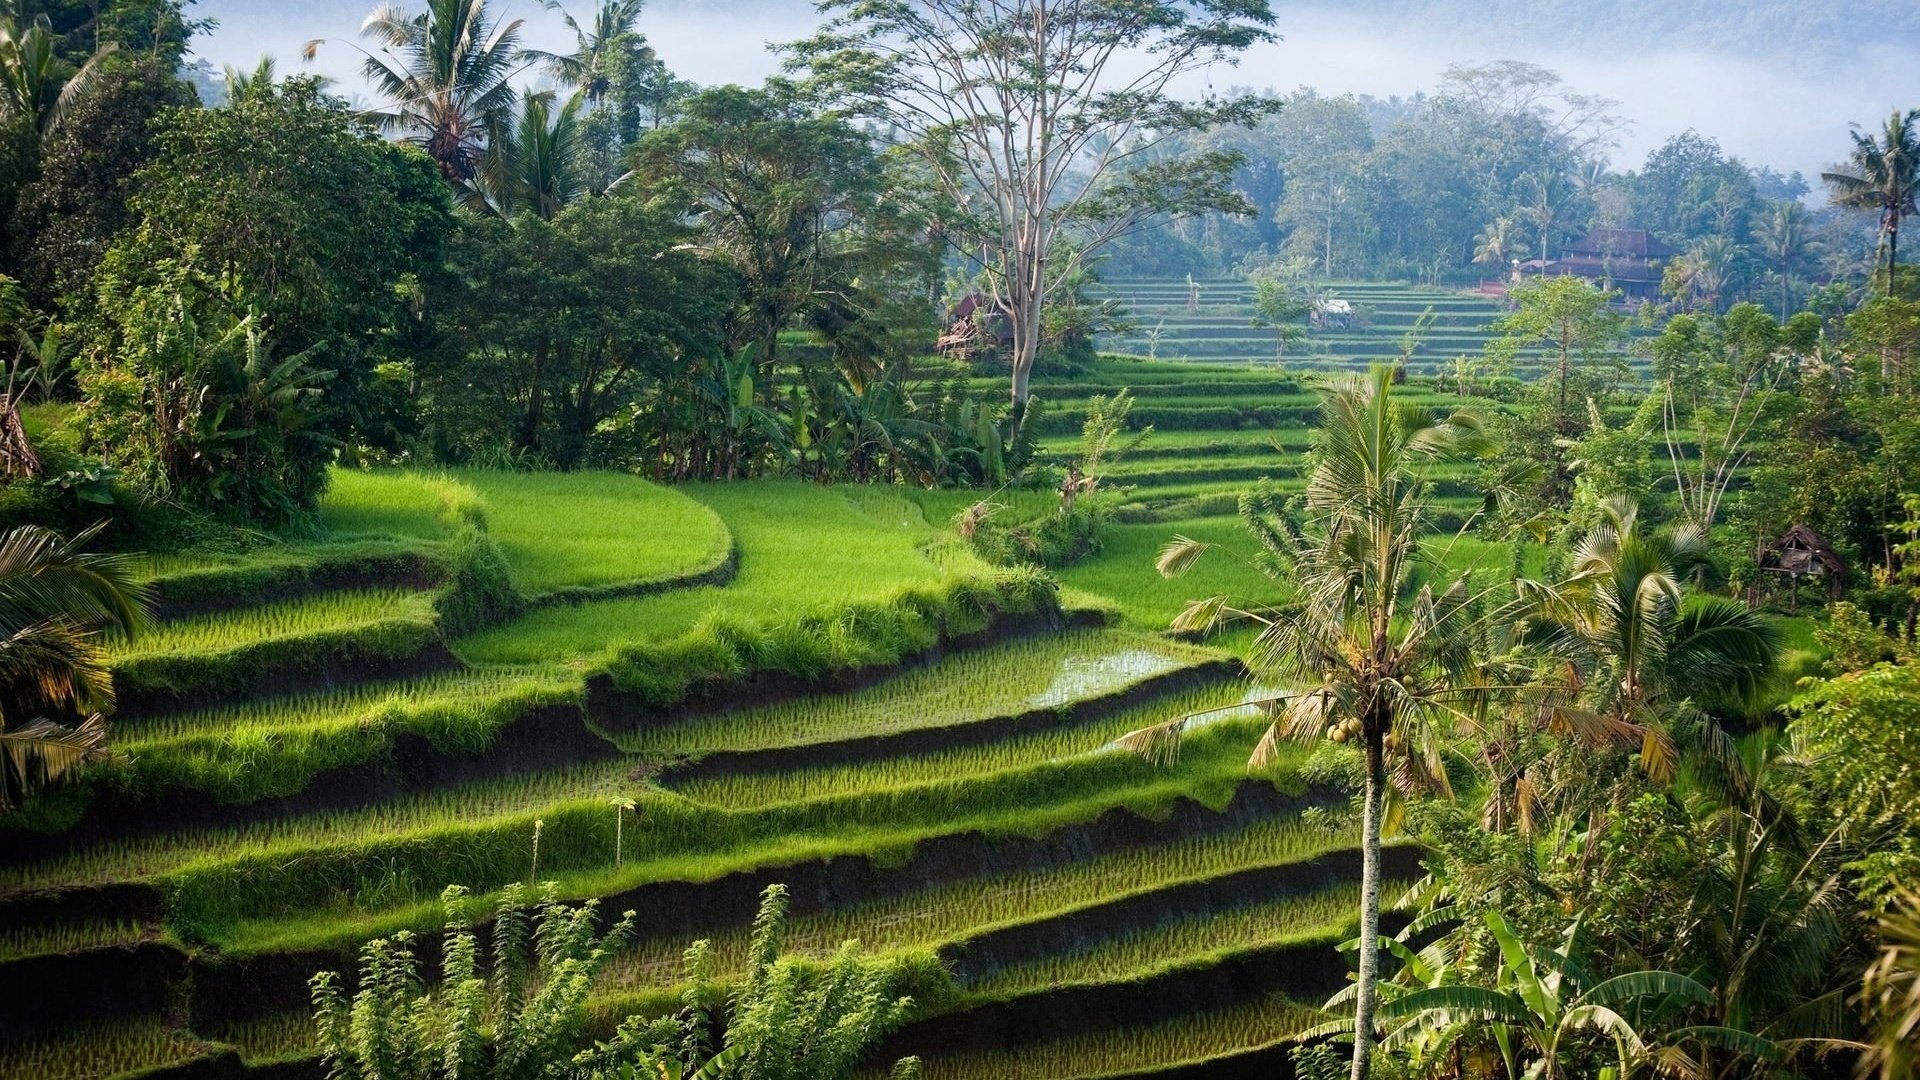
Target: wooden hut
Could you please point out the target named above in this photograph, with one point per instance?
(1802, 554)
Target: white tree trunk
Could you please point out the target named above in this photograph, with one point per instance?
(1363, 1006)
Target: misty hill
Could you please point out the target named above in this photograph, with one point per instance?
(1783, 29)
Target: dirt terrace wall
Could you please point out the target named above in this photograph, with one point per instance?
(944, 737)
(543, 739)
(985, 954)
(237, 989)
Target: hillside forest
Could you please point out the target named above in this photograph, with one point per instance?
(964, 559)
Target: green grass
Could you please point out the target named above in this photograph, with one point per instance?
(154, 858)
(927, 918)
(1327, 916)
(1047, 671)
(292, 895)
(1120, 1050)
(280, 620)
(616, 530)
(407, 504)
(1059, 743)
(357, 704)
(1124, 572)
(32, 940)
(801, 547)
(101, 1049)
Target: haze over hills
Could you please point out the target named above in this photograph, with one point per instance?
(1776, 82)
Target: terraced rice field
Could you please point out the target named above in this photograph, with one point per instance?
(1220, 329)
(942, 788)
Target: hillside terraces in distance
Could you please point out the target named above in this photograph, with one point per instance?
(1221, 330)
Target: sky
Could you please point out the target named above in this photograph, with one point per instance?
(1768, 112)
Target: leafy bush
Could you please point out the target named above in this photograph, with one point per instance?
(526, 1018)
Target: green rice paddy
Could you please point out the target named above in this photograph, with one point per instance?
(293, 618)
(883, 773)
(1029, 674)
(617, 531)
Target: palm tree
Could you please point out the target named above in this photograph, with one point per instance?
(535, 164)
(1786, 242)
(1646, 655)
(1885, 178)
(243, 84)
(57, 603)
(1379, 632)
(1494, 245)
(448, 71)
(597, 52)
(1891, 993)
(1546, 195)
(36, 85)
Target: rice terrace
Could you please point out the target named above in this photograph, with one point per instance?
(979, 554)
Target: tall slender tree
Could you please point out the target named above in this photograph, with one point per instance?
(447, 73)
(1366, 620)
(1884, 177)
(1786, 240)
(1037, 122)
(599, 49)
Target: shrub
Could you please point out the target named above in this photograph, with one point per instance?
(527, 1017)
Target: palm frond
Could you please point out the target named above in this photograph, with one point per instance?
(42, 752)
(1157, 743)
(1179, 556)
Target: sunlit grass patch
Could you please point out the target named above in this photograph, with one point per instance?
(1124, 569)
(801, 547)
(279, 620)
(1062, 742)
(926, 918)
(350, 704)
(595, 529)
(153, 857)
(1038, 672)
(27, 939)
(1328, 917)
(399, 503)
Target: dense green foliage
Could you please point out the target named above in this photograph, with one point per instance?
(1522, 637)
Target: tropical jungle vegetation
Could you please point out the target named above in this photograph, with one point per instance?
(1030, 571)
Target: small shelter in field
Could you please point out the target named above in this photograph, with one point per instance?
(1802, 555)
(976, 326)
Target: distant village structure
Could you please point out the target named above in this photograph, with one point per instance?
(1627, 260)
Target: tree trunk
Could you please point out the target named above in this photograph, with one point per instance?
(1369, 904)
(1026, 347)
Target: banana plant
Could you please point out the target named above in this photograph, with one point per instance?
(1546, 1008)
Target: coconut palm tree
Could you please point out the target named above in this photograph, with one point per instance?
(597, 52)
(1646, 656)
(1494, 246)
(1885, 178)
(535, 164)
(1544, 195)
(1377, 634)
(1786, 241)
(448, 72)
(57, 603)
(1891, 993)
(36, 85)
(1716, 264)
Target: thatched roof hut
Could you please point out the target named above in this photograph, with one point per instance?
(1803, 554)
